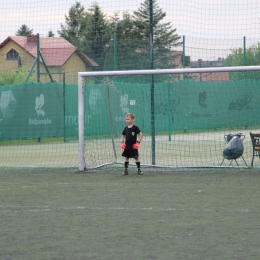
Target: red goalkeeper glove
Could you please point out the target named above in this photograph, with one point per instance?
(136, 145)
(123, 146)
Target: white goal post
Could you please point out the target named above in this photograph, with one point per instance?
(82, 75)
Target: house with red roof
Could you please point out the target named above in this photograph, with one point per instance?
(211, 76)
(58, 54)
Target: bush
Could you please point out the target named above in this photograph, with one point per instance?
(14, 78)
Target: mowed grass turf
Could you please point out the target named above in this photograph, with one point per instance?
(65, 214)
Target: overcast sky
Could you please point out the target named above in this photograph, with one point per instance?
(214, 25)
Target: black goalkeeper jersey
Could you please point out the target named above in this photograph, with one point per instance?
(130, 136)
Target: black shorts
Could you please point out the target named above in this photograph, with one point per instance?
(130, 153)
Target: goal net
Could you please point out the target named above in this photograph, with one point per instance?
(184, 122)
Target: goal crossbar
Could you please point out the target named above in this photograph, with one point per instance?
(167, 71)
(81, 75)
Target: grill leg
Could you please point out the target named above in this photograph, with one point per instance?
(222, 161)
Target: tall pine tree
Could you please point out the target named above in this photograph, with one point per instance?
(75, 24)
(88, 30)
(96, 35)
(24, 30)
(165, 37)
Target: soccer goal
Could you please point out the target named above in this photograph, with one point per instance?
(182, 114)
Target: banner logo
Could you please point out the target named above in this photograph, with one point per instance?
(8, 104)
(39, 103)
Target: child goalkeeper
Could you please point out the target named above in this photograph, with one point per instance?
(130, 143)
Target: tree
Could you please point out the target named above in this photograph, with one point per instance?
(93, 34)
(133, 39)
(164, 37)
(75, 25)
(50, 33)
(24, 31)
(128, 55)
(96, 35)
(88, 30)
(236, 58)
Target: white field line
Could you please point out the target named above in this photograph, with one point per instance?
(48, 208)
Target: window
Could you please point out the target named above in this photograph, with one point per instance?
(12, 55)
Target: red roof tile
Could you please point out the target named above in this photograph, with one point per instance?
(57, 56)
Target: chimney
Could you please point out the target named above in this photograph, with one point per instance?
(32, 39)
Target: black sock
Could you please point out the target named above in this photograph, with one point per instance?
(138, 165)
(126, 166)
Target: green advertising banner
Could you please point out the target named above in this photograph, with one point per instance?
(183, 105)
(47, 110)
(31, 111)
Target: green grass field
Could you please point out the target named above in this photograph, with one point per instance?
(66, 214)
